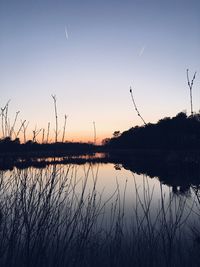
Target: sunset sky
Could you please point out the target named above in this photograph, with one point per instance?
(88, 53)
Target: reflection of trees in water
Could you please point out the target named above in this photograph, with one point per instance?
(118, 167)
(49, 218)
(196, 190)
(181, 190)
(179, 177)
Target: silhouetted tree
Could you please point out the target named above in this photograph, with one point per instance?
(179, 132)
(105, 141)
(116, 134)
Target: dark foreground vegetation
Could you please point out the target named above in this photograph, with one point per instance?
(163, 149)
(45, 220)
(51, 217)
(181, 132)
(14, 146)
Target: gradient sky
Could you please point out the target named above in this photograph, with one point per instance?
(88, 53)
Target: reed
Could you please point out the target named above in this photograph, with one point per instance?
(190, 85)
(56, 117)
(64, 128)
(48, 130)
(95, 132)
(24, 129)
(43, 131)
(12, 130)
(53, 217)
(4, 120)
(36, 133)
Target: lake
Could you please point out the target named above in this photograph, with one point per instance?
(95, 212)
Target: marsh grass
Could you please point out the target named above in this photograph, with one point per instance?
(53, 217)
(190, 85)
(14, 128)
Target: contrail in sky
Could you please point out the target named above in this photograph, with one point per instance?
(66, 33)
(142, 50)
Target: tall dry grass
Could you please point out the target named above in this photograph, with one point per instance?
(52, 217)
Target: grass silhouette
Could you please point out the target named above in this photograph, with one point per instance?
(48, 217)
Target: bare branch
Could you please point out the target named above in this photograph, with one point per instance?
(95, 135)
(136, 109)
(56, 118)
(13, 126)
(64, 127)
(190, 85)
(48, 129)
(20, 128)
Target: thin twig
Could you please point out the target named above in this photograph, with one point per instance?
(35, 133)
(6, 118)
(20, 128)
(56, 118)
(48, 129)
(43, 131)
(190, 84)
(136, 109)
(24, 130)
(63, 137)
(94, 125)
(13, 126)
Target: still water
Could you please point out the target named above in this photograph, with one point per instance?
(114, 187)
(83, 213)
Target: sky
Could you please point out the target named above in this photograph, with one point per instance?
(88, 53)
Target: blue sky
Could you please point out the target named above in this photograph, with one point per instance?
(88, 53)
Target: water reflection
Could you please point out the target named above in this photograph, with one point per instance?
(58, 213)
(180, 177)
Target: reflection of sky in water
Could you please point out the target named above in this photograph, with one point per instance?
(149, 190)
(118, 185)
